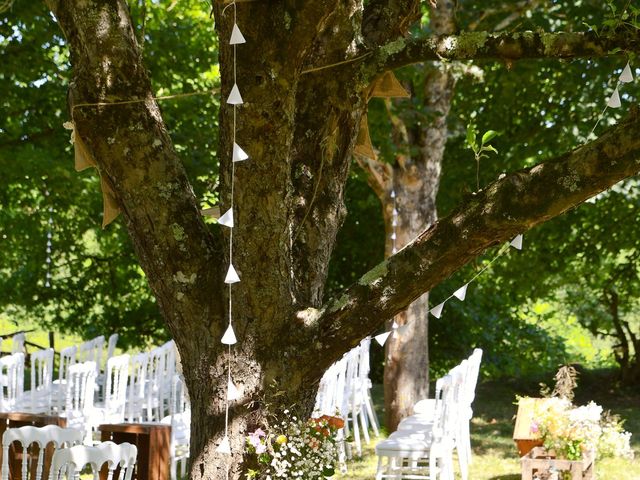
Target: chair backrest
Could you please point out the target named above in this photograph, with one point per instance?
(42, 437)
(12, 386)
(115, 396)
(137, 387)
(91, 351)
(155, 384)
(41, 379)
(79, 392)
(473, 371)
(67, 358)
(111, 345)
(17, 345)
(71, 461)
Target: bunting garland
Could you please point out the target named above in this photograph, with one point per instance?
(460, 293)
(614, 100)
(47, 282)
(394, 223)
(227, 220)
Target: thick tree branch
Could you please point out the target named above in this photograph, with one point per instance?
(509, 206)
(503, 45)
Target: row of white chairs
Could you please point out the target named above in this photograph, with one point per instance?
(70, 456)
(422, 447)
(345, 390)
(144, 387)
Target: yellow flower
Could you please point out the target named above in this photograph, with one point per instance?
(281, 439)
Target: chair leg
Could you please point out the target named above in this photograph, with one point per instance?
(380, 468)
(371, 414)
(356, 433)
(365, 427)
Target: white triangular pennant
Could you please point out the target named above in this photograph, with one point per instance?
(227, 219)
(232, 275)
(614, 100)
(393, 194)
(225, 446)
(382, 338)
(626, 76)
(234, 97)
(238, 153)
(437, 310)
(229, 337)
(517, 242)
(394, 251)
(232, 391)
(393, 236)
(394, 222)
(236, 36)
(461, 293)
(395, 212)
(394, 325)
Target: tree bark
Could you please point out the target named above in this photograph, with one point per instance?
(299, 129)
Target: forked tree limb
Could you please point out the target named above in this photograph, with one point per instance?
(509, 206)
(502, 45)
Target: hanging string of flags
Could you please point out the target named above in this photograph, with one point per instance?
(614, 100)
(47, 282)
(460, 293)
(227, 220)
(394, 223)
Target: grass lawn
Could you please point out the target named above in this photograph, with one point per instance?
(495, 455)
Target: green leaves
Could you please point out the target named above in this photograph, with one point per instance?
(479, 149)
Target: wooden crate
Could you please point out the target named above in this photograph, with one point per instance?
(525, 439)
(539, 461)
(153, 442)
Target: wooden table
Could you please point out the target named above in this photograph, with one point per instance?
(153, 441)
(15, 420)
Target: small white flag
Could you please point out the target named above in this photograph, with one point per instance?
(394, 251)
(461, 293)
(238, 153)
(394, 325)
(517, 242)
(395, 212)
(227, 219)
(382, 338)
(234, 97)
(232, 275)
(437, 310)
(236, 36)
(626, 76)
(229, 337)
(393, 194)
(232, 391)
(614, 100)
(394, 222)
(225, 446)
(393, 236)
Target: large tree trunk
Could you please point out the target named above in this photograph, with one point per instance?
(298, 124)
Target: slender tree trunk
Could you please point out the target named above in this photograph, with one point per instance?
(415, 181)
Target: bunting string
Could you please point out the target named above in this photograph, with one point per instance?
(614, 100)
(47, 282)
(227, 220)
(460, 293)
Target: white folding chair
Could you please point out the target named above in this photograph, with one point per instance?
(41, 437)
(12, 385)
(38, 398)
(112, 410)
(137, 388)
(68, 463)
(17, 342)
(180, 421)
(426, 454)
(79, 393)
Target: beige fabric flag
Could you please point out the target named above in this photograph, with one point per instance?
(83, 158)
(110, 209)
(388, 86)
(364, 146)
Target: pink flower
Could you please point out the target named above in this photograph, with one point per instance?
(261, 448)
(534, 427)
(254, 439)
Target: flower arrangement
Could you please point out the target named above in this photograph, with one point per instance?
(298, 449)
(573, 431)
